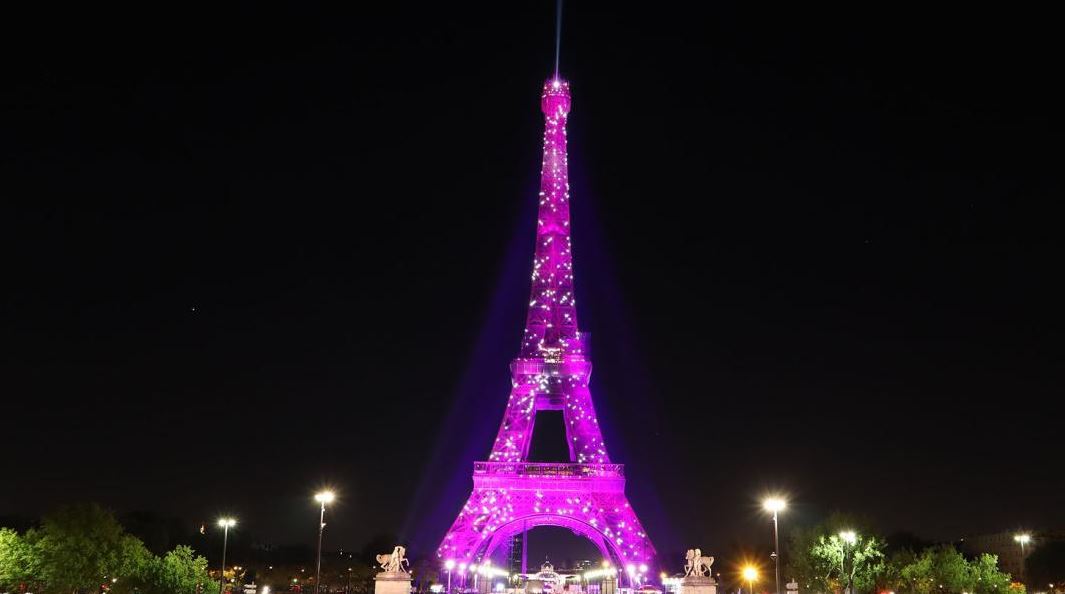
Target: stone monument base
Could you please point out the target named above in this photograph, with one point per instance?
(392, 582)
(697, 584)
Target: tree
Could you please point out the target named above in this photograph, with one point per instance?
(854, 565)
(178, 572)
(823, 561)
(17, 560)
(990, 579)
(937, 569)
(81, 547)
(943, 570)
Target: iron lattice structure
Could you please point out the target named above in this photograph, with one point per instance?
(586, 495)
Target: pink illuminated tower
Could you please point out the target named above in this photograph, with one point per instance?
(587, 494)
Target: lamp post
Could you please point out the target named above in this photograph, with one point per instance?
(775, 505)
(750, 573)
(449, 565)
(1023, 539)
(324, 497)
(225, 524)
(849, 537)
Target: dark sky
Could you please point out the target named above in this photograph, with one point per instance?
(255, 248)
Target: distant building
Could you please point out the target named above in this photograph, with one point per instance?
(584, 565)
(1008, 549)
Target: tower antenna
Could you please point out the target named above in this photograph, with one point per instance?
(558, 34)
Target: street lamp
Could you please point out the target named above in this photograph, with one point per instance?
(225, 524)
(1023, 539)
(750, 573)
(462, 576)
(449, 565)
(849, 537)
(775, 505)
(324, 497)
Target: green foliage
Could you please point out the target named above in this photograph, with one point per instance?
(991, 580)
(17, 560)
(943, 570)
(822, 561)
(178, 572)
(80, 548)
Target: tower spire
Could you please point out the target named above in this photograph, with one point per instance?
(551, 323)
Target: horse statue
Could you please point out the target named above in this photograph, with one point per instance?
(395, 561)
(696, 564)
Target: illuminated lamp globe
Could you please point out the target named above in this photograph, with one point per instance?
(774, 504)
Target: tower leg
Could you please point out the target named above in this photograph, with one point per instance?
(525, 547)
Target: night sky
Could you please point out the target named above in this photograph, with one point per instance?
(252, 249)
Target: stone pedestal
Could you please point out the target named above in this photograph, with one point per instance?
(697, 584)
(392, 582)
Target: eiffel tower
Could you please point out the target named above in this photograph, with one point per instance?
(551, 373)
